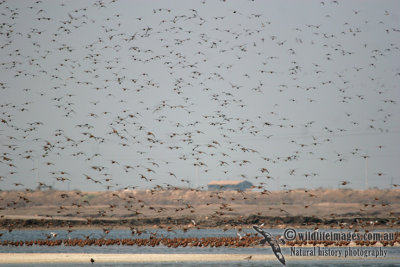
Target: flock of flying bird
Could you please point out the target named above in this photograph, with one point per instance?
(95, 96)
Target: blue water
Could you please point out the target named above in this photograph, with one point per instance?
(24, 235)
(393, 252)
(326, 263)
(113, 234)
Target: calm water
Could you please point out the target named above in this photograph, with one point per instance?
(385, 263)
(113, 234)
(62, 234)
(93, 234)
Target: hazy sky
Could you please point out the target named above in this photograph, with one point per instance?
(284, 94)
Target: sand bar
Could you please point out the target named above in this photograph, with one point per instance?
(20, 258)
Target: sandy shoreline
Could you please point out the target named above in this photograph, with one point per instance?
(332, 208)
(29, 222)
(21, 258)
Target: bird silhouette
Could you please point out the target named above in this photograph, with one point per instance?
(268, 238)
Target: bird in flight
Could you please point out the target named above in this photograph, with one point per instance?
(272, 242)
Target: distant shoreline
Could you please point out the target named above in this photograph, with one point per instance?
(35, 223)
(190, 208)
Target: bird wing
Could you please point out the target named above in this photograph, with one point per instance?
(266, 235)
(272, 242)
(258, 229)
(277, 251)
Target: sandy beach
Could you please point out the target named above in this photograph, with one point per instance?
(114, 258)
(21, 258)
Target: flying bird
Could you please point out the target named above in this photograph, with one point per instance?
(268, 238)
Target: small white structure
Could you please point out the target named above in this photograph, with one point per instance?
(229, 185)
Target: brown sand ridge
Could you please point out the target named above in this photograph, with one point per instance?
(176, 208)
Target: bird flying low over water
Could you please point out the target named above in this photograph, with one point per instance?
(272, 242)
